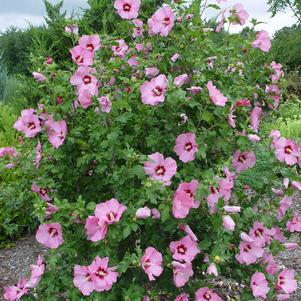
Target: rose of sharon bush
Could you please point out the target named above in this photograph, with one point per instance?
(160, 121)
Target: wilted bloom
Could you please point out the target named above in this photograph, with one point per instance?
(183, 199)
(232, 209)
(56, 132)
(15, 292)
(28, 123)
(228, 223)
(184, 249)
(105, 103)
(82, 56)
(42, 192)
(253, 138)
(91, 43)
(239, 14)
(180, 80)
(153, 92)
(85, 99)
(212, 270)
(232, 117)
(260, 234)
(38, 76)
(143, 213)
(243, 103)
(181, 273)
(271, 265)
(243, 160)
(110, 211)
(291, 245)
(259, 285)
(262, 41)
(277, 72)
(161, 22)
(127, 9)
(175, 57)
(38, 154)
(83, 279)
(73, 29)
(103, 276)
(294, 225)
(138, 30)
(37, 271)
(221, 22)
(286, 281)
(255, 118)
(50, 235)
(151, 72)
(120, 49)
(151, 263)
(188, 231)
(206, 294)
(50, 210)
(249, 253)
(216, 96)
(194, 90)
(155, 213)
(182, 297)
(186, 147)
(285, 203)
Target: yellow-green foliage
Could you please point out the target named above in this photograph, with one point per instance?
(8, 135)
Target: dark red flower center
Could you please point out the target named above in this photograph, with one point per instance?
(288, 149)
(87, 79)
(188, 146)
(52, 232)
(259, 232)
(247, 248)
(242, 158)
(127, 7)
(90, 47)
(157, 91)
(111, 216)
(181, 249)
(43, 191)
(160, 170)
(213, 190)
(31, 126)
(101, 273)
(189, 192)
(166, 21)
(79, 59)
(207, 296)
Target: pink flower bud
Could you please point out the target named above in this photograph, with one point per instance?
(144, 212)
(228, 223)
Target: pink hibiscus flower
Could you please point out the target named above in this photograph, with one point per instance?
(216, 96)
(243, 160)
(42, 192)
(286, 281)
(103, 276)
(161, 22)
(105, 104)
(181, 273)
(96, 229)
(186, 147)
(249, 253)
(83, 279)
(127, 9)
(120, 49)
(184, 249)
(151, 263)
(206, 294)
(260, 234)
(82, 56)
(285, 203)
(110, 211)
(259, 285)
(183, 199)
(160, 169)
(50, 235)
(28, 123)
(294, 225)
(37, 271)
(262, 41)
(239, 14)
(255, 118)
(91, 43)
(153, 92)
(286, 150)
(180, 80)
(15, 292)
(277, 72)
(182, 297)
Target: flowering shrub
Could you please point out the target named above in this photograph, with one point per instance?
(138, 147)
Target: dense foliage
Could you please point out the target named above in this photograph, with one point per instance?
(143, 151)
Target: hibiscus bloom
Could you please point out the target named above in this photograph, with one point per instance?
(161, 22)
(38, 76)
(286, 150)
(286, 281)
(105, 104)
(206, 294)
(243, 160)
(259, 285)
(91, 43)
(127, 9)
(216, 96)
(239, 14)
(42, 192)
(153, 91)
(96, 229)
(50, 235)
(181, 273)
(120, 49)
(186, 147)
(82, 56)
(294, 225)
(56, 132)
(83, 279)
(180, 80)
(160, 169)
(37, 271)
(28, 123)
(151, 263)
(184, 249)
(15, 292)
(255, 118)
(262, 41)
(182, 297)
(228, 223)
(249, 253)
